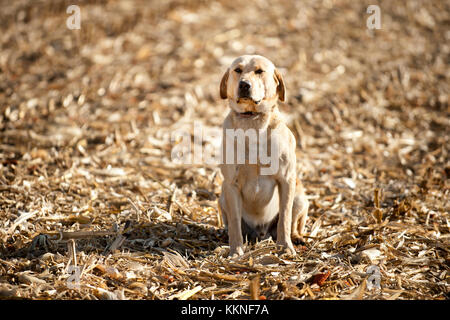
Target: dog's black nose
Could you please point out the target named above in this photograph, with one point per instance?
(244, 88)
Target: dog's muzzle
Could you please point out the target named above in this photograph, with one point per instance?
(244, 92)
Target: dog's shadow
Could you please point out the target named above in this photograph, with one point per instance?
(195, 240)
(188, 238)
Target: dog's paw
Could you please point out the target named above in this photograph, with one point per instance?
(287, 246)
(298, 240)
(236, 252)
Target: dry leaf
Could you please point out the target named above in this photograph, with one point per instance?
(320, 278)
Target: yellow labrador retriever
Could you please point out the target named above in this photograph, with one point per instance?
(254, 204)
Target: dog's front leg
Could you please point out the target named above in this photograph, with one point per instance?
(287, 194)
(233, 203)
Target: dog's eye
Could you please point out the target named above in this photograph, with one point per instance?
(238, 70)
(259, 71)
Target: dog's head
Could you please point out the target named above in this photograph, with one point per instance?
(252, 85)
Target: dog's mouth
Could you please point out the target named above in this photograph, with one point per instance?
(248, 114)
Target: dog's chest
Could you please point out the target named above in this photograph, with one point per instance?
(255, 188)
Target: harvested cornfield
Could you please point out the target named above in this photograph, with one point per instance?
(93, 207)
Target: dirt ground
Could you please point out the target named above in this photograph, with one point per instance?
(92, 207)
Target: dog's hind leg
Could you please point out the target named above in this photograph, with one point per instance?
(299, 217)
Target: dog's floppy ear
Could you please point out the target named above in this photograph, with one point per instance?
(223, 85)
(281, 89)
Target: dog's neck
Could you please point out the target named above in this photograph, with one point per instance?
(262, 121)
